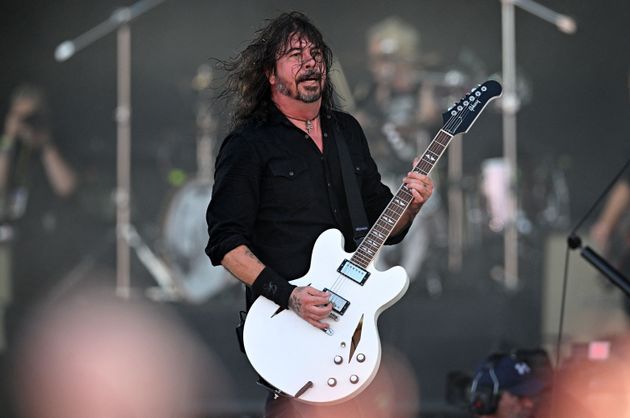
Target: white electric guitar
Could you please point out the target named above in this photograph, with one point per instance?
(331, 366)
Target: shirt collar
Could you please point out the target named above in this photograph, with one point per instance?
(277, 117)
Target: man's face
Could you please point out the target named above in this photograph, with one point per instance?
(300, 71)
(511, 406)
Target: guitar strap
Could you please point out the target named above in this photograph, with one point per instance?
(360, 225)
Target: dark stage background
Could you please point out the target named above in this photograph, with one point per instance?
(575, 121)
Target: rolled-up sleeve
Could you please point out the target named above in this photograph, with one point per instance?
(233, 207)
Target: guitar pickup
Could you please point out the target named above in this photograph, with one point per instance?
(339, 304)
(353, 272)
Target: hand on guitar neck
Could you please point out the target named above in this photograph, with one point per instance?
(421, 188)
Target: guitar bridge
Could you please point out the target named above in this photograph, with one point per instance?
(339, 304)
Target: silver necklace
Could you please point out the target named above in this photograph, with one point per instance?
(308, 122)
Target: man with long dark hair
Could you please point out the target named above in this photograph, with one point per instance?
(278, 182)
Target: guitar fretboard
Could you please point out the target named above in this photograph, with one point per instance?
(383, 227)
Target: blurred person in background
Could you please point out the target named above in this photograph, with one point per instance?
(616, 207)
(27, 134)
(36, 185)
(400, 113)
(611, 230)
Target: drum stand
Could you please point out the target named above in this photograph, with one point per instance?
(168, 289)
(119, 20)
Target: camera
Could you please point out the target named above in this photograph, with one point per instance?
(37, 120)
(458, 388)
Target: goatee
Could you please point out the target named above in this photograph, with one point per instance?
(306, 97)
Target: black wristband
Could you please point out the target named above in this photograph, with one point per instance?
(273, 286)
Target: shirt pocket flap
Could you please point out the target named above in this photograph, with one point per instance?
(289, 169)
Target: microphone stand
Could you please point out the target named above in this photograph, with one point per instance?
(574, 242)
(510, 104)
(119, 21)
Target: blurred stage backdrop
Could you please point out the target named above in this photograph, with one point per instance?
(572, 139)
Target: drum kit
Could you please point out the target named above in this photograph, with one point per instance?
(474, 205)
(182, 269)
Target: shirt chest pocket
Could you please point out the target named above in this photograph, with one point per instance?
(289, 183)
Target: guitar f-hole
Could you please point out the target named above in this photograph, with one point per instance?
(356, 338)
(280, 309)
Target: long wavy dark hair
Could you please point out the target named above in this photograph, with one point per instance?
(247, 86)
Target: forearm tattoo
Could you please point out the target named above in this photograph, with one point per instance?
(252, 255)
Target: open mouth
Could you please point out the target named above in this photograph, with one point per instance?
(310, 78)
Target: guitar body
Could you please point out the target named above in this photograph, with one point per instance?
(289, 353)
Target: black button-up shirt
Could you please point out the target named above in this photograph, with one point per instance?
(275, 192)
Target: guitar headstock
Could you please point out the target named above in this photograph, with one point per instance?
(460, 117)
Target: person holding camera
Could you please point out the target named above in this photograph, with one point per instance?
(36, 183)
(26, 133)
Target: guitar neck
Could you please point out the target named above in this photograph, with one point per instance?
(457, 119)
(394, 210)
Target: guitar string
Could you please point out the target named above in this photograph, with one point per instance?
(340, 281)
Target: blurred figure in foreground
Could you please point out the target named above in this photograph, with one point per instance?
(93, 355)
(505, 386)
(593, 382)
(35, 183)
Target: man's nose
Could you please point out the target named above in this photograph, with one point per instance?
(307, 60)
